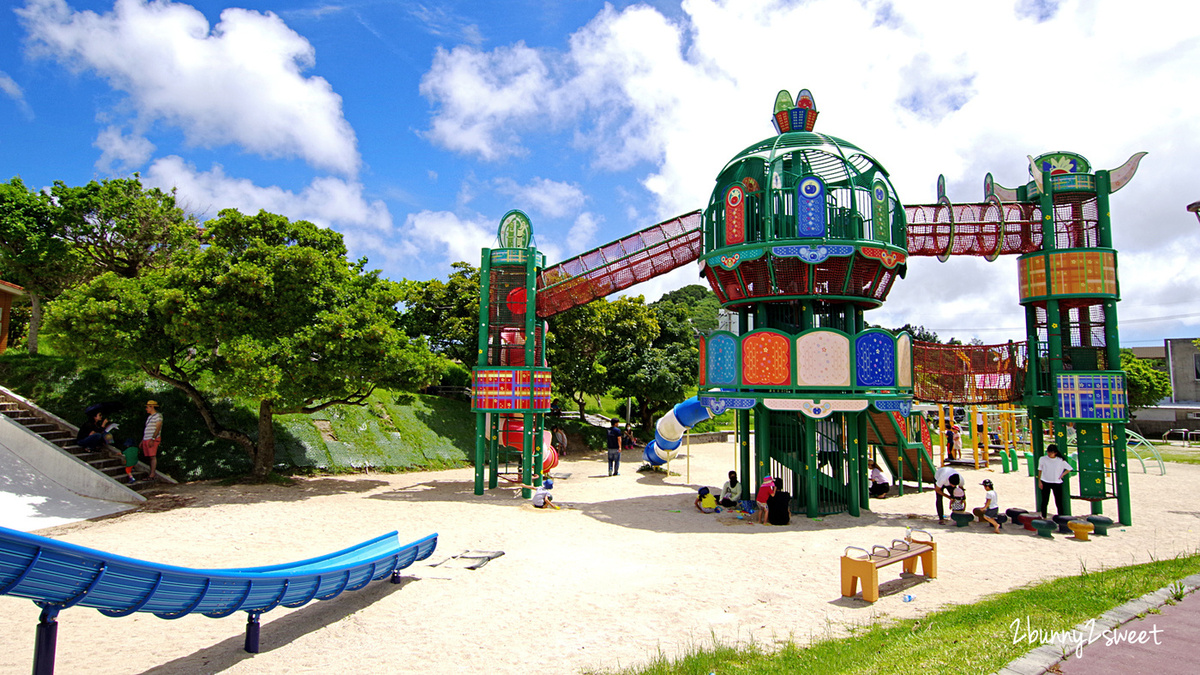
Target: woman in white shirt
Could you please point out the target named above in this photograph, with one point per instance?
(1051, 471)
(879, 485)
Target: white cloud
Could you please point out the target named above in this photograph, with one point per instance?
(550, 198)
(926, 87)
(326, 201)
(13, 90)
(581, 235)
(121, 153)
(240, 82)
(447, 236)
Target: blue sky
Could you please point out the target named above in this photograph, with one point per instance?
(412, 127)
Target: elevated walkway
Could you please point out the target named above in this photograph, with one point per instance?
(618, 265)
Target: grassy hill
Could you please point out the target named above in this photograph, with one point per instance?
(394, 431)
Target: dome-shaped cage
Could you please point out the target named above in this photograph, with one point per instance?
(804, 214)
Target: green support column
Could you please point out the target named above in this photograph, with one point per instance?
(1036, 432)
(812, 507)
(1033, 372)
(762, 443)
(481, 361)
(494, 451)
(854, 480)
(527, 456)
(743, 445)
(480, 450)
(860, 427)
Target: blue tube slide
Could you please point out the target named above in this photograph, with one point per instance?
(668, 432)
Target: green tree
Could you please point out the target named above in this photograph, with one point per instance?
(576, 340)
(33, 253)
(918, 333)
(446, 313)
(661, 372)
(122, 227)
(1145, 384)
(269, 310)
(701, 303)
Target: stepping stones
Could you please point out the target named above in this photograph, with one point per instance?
(1062, 522)
(961, 519)
(1081, 529)
(1045, 528)
(1102, 523)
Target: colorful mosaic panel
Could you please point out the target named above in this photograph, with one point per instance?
(875, 360)
(810, 207)
(888, 257)
(703, 362)
(814, 408)
(879, 211)
(823, 359)
(735, 219)
(766, 359)
(1070, 273)
(1091, 397)
(511, 389)
(722, 360)
(904, 364)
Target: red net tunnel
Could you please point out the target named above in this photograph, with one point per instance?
(628, 261)
(969, 373)
(988, 229)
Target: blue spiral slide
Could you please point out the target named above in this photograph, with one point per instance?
(668, 432)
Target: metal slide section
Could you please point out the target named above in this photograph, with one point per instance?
(965, 374)
(628, 261)
(668, 432)
(988, 229)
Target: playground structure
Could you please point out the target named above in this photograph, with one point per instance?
(803, 234)
(56, 575)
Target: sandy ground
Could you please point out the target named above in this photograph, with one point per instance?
(630, 569)
(30, 500)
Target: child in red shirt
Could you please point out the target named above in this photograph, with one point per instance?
(764, 493)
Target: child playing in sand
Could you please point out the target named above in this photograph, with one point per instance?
(990, 508)
(706, 501)
(542, 498)
(764, 493)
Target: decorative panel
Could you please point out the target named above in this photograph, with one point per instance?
(766, 359)
(875, 360)
(810, 207)
(511, 389)
(904, 365)
(735, 218)
(880, 223)
(1093, 396)
(722, 360)
(823, 359)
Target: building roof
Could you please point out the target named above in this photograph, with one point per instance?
(11, 288)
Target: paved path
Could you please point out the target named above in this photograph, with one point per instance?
(1169, 647)
(31, 500)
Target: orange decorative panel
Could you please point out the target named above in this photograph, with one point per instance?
(1075, 272)
(766, 360)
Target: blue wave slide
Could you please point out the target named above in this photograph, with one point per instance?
(668, 432)
(56, 575)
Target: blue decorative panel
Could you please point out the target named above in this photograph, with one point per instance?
(810, 207)
(875, 360)
(902, 406)
(722, 360)
(1097, 396)
(812, 254)
(720, 405)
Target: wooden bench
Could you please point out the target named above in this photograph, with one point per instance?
(865, 569)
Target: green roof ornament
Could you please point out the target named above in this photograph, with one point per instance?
(515, 230)
(789, 117)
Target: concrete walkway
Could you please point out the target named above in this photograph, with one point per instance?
(1159, 644)
(31, 500)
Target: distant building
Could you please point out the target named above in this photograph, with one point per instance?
(1180, 359)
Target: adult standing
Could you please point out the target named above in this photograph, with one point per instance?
(1051, 470)
(615, 435)
(945, 479)
(152, 436)
(559, 441)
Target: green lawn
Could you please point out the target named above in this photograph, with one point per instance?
(976, 638)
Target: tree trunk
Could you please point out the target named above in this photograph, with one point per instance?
(580, 402)
(35, 321)
(264, 453)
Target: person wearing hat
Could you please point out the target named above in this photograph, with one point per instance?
(1052, 468)
(945, 479)
(990, 508)
(542, 498)
(764, 493)
(152, 436)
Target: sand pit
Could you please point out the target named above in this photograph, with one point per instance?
(630, 569)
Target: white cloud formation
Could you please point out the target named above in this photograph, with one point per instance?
(926, 87)
(121, 153)
(241, 82)
(326, 201)
(13, 90)
(446, 236)
(581, 236)
(550, 198)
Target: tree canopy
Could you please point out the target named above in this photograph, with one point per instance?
(269, 310)
(1146, 385)
(446, 313)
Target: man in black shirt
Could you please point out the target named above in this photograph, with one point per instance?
(614, 447)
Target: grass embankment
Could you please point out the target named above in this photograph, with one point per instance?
(978, 638)
(393, 432)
